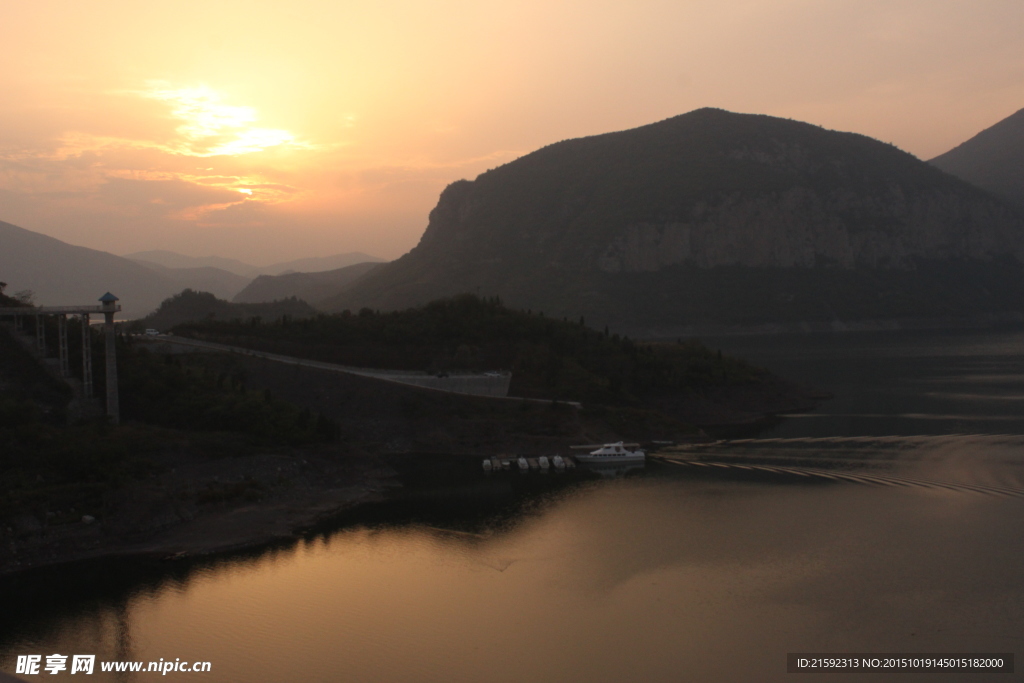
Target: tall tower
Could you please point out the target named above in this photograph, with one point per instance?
(110, 307)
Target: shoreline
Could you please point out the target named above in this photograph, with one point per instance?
(153, 520)
(201, 506)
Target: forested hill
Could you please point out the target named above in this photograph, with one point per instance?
(714, 217)
(191, 305)
(548, 358)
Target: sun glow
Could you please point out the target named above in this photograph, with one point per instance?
(211, 128)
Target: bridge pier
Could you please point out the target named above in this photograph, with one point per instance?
(109, 308)
(41, 336)
(62, 345)
(86, 357)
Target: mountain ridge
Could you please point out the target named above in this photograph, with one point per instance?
(310, 264)
(993, 159)
(313, 288)
(62, 273)
(709, 205)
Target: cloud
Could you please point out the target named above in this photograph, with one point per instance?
(165, 195)
(210, 128)
(243, 214)
(171, 199)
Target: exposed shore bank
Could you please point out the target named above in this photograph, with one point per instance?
(200, 504)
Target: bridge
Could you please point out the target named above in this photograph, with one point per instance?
(108, 307)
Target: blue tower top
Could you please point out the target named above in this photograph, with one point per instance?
(108, 298)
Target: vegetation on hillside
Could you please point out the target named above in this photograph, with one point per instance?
(208, 392)
(548, 358)
(56, 471)
(713, 218)
(192, 305)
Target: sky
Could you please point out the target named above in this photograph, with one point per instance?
(268, 131)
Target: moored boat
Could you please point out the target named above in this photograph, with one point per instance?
(614, 453)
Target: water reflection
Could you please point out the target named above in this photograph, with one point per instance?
(677, 576)
(708, 565)
(613, 470)
(898, 382)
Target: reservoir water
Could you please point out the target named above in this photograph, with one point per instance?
(889, 520)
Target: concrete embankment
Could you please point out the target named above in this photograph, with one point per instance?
(493, 384)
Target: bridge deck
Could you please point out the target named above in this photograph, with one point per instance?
(54, 310)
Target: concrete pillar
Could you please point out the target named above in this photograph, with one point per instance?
(40, 335)
(62, 344)
(86, 357)
(109, 308)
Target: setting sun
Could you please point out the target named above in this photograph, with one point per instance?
(346, 123)
(210, 128)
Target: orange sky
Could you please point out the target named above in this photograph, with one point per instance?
(267, 131)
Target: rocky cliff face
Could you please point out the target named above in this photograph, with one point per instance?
(802, 228)
(584, 226)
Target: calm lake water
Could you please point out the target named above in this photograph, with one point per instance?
(889, 520)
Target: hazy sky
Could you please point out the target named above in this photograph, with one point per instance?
(273, 130)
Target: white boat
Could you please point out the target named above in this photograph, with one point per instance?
(613, 452)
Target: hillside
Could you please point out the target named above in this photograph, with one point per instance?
(60, 273)
(189, 305)
(312, 264)
(993, 159)
(219, 282)
(172, 259)
(714, 218)
(313, 288)
(548, 359)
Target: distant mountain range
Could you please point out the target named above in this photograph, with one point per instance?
(715, 219)
(993, 159)
(61, 273)
(222, 283)
(316, 289)
(704, 221)
(315, 264)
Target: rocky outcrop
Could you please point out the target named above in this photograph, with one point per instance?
(801, 228)
(743, 218)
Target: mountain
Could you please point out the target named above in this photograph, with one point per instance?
(60, 273)
(171, 259)
(191, 306)
(318, 264)
(714, 218)
(313, 288)
(219, 282)
(993, 159)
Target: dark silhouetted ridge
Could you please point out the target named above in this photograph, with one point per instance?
(713, 218)
(993, 159)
